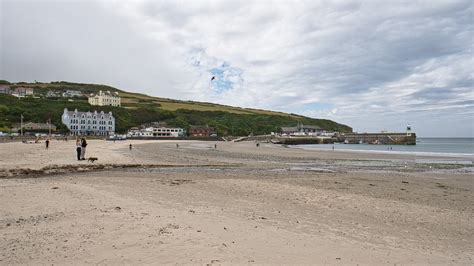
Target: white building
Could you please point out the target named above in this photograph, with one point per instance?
(105, 99)
(21, 92)
(51, 93)
(302, 130)
(89, 123)
(4, 89)
(72, 93)
(153, 132)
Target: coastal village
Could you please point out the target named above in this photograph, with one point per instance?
(100, 123)
(236, 132)
(94, 122)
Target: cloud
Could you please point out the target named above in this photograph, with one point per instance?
(368, 64)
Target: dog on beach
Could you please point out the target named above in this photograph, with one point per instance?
(92, 159)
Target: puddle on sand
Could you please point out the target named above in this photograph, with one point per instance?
(181, 169)
(433, 161)
(344, 163)
(230, 169)
(311, 169)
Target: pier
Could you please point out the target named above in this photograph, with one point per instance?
(379, 138)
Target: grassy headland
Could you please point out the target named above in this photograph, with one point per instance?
(140, 108)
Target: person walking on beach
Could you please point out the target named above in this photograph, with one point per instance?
(78, 149)
(130, 147)
(83, 148)
(215, 146)
(47, 143)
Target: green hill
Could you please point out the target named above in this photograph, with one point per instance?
(139, 108)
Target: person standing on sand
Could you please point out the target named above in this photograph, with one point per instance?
(83, 148)
(47, 143)
(130, 147)
(78, 149)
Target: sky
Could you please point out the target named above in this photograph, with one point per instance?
(373, 65)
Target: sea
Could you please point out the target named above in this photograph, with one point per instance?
(446, 147)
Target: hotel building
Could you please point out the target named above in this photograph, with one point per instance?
(105, 99)
(89, 123)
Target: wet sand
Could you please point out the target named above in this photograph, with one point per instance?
(236, 204)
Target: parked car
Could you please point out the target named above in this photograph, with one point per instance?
(117, 137)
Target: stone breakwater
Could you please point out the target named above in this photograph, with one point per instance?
(380, 138)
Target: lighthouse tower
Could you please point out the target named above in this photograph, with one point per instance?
(408, 130)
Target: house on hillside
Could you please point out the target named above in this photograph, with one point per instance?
(106, 98)
(51, 94)
(72, 93)
(89, 123)
(5, 89)
(201, 131)
(22, 92)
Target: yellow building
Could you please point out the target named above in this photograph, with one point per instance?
(105, 99)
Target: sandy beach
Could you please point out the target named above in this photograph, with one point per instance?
(237, 204)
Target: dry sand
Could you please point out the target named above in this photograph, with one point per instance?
(237, 204)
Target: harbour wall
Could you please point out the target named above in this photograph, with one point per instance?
(379, 138)
(351, 138)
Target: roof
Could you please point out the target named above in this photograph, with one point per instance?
(158, 124)
(300, 127)
(289, 128)
(105, 93)
(34, 125)
(311, 127)
(78, 113)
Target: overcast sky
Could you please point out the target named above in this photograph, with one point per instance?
(373, 65)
